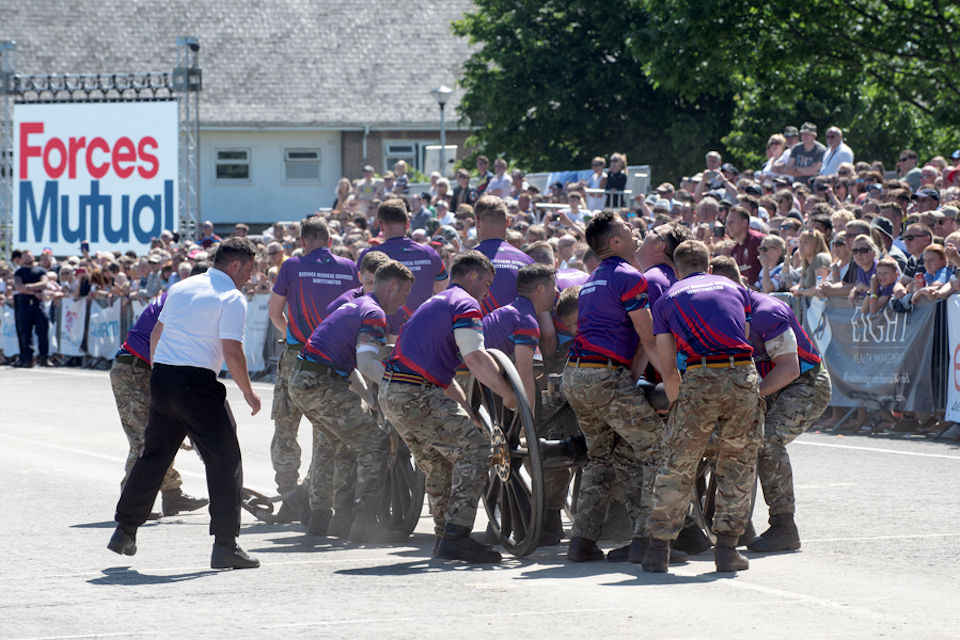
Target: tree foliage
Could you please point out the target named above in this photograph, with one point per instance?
(553, 83)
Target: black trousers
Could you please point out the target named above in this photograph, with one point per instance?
(31, 317)
(187, 400)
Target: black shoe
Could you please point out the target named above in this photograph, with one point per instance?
(295, 506)
(231, 557)
(656, 558)
(42, 362)
(583, 550)
(781, 536)
(457, 544)
(726, 556)
(340, 523)
(319, 522)
(620, 554)
(552, 532)
(122, 542)
(154, 515)
(175, 501)
(366, 528)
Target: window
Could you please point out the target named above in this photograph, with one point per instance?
(233, 164)
(301, 165)
(6, 163)
(411, 151)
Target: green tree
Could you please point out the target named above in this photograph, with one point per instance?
(553, 83)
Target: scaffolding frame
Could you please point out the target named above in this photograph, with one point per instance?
(182, 84)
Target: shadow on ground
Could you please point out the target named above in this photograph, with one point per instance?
(125, 576)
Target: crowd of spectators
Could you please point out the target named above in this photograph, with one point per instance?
(810, 221)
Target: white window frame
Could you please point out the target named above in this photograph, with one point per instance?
(249, 162)
(318, 162)
(419, 153)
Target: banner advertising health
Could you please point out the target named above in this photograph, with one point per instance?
(953, 367)
(255, 331)
(9, 342)
(105, 173)
(883, 358)
(72, 317)
(103, 336)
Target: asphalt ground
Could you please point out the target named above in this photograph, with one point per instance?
(877, 518)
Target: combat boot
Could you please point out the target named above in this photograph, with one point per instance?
(638, 548)
(552, 528)
(367, 528)
(583, 550)
(295, 505)
(123, 542)
(319, 522)
(457, 544)
(726, 556)
(656, 558)
(174, 501)
(231, 556)
(340, 523)
(781, 536)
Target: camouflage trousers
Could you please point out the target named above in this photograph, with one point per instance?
(131, 390)
(790, 412)
(725, 399)
(359, 446)
(284, 449)
(623, 435)
(446, 445)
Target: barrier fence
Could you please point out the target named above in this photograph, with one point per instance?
(906, 361)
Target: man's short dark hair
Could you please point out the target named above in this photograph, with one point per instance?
(315, 229)
(893, 206)
(752, 201)
(201, 267)
(469, 261)
(232, 249)
(824, 221)
(392, 270)
(601, 228)
(242, 226)
(392, 211)
(490, 208)
(542, 251)
(532, 276)
(674, 236)
(567, 303)
(692, 256)
(740, 211)
(727, 267)
(16, 254)
(910, 153)
(373, 260)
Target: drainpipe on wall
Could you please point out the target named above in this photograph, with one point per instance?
(366, 132)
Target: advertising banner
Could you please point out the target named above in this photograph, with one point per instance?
(255, 331)
(883, 358)
(104, 173)
(72, 317)
(103, 337)
(9, 342)
(953, 367)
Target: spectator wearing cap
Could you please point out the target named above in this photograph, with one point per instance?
(837, 153)
(945, 221)
(884, 229)
(240, 230)
(907, 169)
(746, 249)
(444, 215)
(667, 192)
(806, 158)
(421, 214)
(927, 200)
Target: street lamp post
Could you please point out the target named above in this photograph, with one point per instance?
(441, 94)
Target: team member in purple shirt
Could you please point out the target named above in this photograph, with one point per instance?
(622, 430)
(554, 343)
(350, 338)
(655, 257)
(368, 269)
(423, 261)
(491, 215)
(305, 287)
(797, 390)
(428, 409)
(706, 319)
(130, 381)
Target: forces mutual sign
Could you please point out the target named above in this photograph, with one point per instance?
(105, 173)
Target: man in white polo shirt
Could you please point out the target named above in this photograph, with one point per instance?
(200, 327)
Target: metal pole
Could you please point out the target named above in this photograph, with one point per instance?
(8, 65)
(443, 142)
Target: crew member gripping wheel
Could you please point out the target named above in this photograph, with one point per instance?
(305, 286)
(350, 338)
(428, 409)
(706, 320)
(796, 387)
(200, 327)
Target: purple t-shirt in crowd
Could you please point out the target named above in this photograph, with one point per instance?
(507, 260)
(770, 318)
(334, 341)
(138, 338)
(510, 325)
(707, 316)
(567, 278)
(886, 290)
(346, 296)
(604, 328)
(310, 283)
(427, 346)
(863, 277)
(659, 279)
